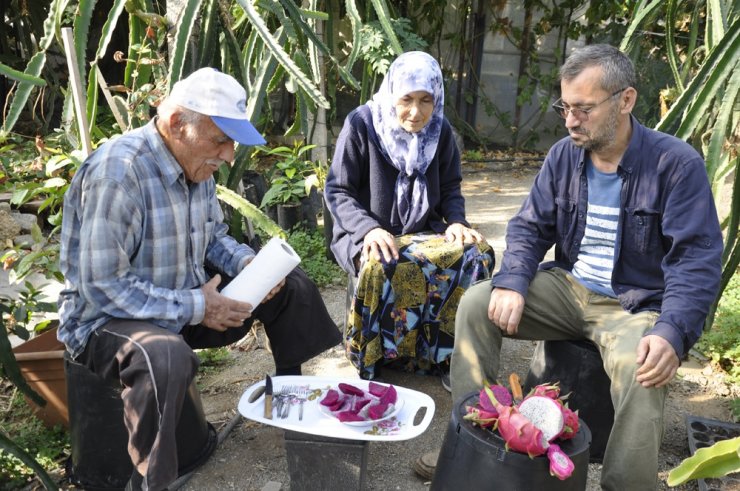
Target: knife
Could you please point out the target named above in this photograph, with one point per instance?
(268, 397)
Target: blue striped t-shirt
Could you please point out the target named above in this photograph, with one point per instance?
(596, 256)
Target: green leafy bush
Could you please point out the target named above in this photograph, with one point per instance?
(49, 447)
(309, 244)
(722, 342)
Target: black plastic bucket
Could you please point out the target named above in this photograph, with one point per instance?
(476, 458)
(100, 459)
(580, 370)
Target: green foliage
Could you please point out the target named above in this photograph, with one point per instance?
(722, 342)
(288, 177)
(705, 97)
(213, 356)
(735, 410)
(212, 359)
(472, 154)
(48, 447)
(40, 170)
(378, 53)
(20, 315)
(249, 211)
(718, 460)
(310, 246)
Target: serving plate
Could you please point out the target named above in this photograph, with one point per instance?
(410, 420)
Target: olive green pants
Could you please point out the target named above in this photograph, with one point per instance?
(558, 307)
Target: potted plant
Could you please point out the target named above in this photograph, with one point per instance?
(288, 191)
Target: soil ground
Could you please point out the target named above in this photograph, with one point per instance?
(253, 456)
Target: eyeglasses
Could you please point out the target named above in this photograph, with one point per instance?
(563, 109)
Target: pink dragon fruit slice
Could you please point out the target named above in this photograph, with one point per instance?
(545, 413)
(330, 398)
(560, 464)
(340, 405)
(377, 411)
(377, 389)
(351, 390)
(571, 425)
(390, 396)
(349, 416)
(358, 404)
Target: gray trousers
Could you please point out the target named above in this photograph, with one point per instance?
(155, 367)
(558, 307)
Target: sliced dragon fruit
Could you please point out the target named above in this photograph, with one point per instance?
(345, 416)
(358, 404)
(377, 389)
(377, 411)
(331, 398)
(560, 464)
(390, 396)
(351, 390)
(545, 413)
(340, 404)
(500, 393)
(519, 433)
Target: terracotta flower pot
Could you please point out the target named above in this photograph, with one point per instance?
(41, 360)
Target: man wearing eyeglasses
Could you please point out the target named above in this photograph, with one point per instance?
(637, 260)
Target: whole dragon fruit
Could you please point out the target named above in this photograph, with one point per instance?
(570, 426)
(546, 390)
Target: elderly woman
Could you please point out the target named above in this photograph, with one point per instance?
(393, 190)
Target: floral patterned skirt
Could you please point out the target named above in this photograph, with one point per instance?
(406, 309)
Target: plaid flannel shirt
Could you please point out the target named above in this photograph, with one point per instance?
(135, 238)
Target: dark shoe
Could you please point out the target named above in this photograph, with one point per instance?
(446, 382)
(425, 465)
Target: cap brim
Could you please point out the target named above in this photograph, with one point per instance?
(240, 130)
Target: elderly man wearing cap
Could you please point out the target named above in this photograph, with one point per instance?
(141, 225)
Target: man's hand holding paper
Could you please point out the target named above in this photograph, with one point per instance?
(264, 275)
(223, 312)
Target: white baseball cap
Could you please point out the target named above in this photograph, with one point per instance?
(218, 95)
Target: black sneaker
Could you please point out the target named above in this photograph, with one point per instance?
(446, 382)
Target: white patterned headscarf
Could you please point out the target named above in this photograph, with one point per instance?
(410, 153)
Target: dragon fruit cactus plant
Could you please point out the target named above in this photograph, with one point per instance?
(532, 425)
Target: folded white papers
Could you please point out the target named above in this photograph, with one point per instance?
(273, 263)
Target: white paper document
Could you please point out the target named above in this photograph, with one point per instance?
(273, 263)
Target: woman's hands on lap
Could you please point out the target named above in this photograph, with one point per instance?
(460, 234)
(379, 241)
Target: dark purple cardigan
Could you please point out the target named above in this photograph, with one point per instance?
(361, 184)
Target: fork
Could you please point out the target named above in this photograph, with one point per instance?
(286, 393)
(281, 410)
(302, 394)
